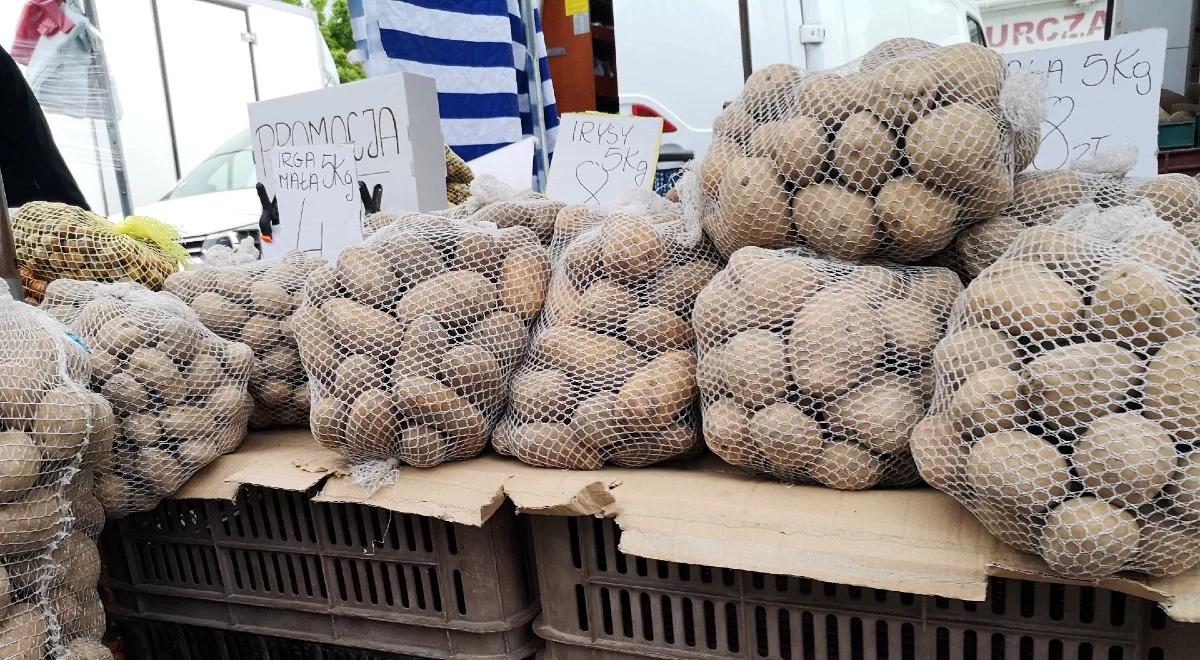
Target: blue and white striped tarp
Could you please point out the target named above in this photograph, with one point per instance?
(475, 50)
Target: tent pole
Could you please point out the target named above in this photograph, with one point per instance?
(8, 251)
(536, 106)
(114, 135)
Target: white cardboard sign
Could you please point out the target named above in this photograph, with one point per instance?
(599, 157)
(391, 122)
(1099, 95)
(317, 190)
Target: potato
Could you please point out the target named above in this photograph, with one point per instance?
(272, 394)
(1172, 388)
(281, 363)
(954, 146)
(176, 337)
(989, 400)
(585, 354)
(712, 170)
(473, 372)
(878, 414)
(1024, 299)
(630, 248)
(653, 330)
(160, 471)
(236, 358)
(940, 453)
(1071, 386)
(573, 219)
(1037, 193)
(422, 446)
(262, 333)
(653, 445)
(454, 298)
(603, 307)
(581, 262)
(189, 422)
(20, 463)
(1166, 547)
(1175, 197)
(502, 334)
(769, 92)
(120, 337)
(412, 258)
(734, 123)
(159, 374)
(902, 90)
(434, 404)
(754, 205)
(770, 289)
(834, 221)
(789, 439)
(88, 649)
(478, 252)
(972, 349)
(911, 328)
(523, 278)
(372, 425)
(79, 562)
(677, 286)
(864, 151)
(796, 146)
(593, 424)
(968, 72)
(60, 424)
(24, 633)
(327, 418)
(272, 299)
(982, 244)
(755, 368)
(919, 220)
(126, 393)
(847, 466)
(1063, 252)
(1018, 470)
(1134, 303)
(547, 444)
(362, 329)
(219, 314)
(1087, 538)
(894, 49)
(659, 391)
(727, 431)
(356, 374)
(1124, 458)
(1169, 251)
(422, 346)
(835, 339)
(831, 98)
(141, 430)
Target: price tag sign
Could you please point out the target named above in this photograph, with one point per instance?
(599, 157)
(1099, 95)
(317, 190)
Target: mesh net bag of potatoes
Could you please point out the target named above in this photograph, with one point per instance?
(253, 304)
(814, 370)
(409, 339)
(1067, 404)
(53, 431)
(1040, 198)
(610, 375)
(178, 390)
(62, 241)
(888, 156)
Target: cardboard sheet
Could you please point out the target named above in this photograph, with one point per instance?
(696, 512)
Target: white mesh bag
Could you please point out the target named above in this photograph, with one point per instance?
(178, 390)
(1067, 404)
(409, 340)
(49, 425)
(610, 375)
(253, 304)
(1040, 198)
(817, 370)
(888, 156)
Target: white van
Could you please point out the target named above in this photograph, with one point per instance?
(683, 60)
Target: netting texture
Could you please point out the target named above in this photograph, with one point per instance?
(1040, 198)
(61, 241)
(814, 370)
(889, 156)
(178, 390)
(409, 339)
(1067, 404)
(611, 372)
(253, 304)
(53, 432)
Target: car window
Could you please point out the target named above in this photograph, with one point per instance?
(218, 173)
(975, 30)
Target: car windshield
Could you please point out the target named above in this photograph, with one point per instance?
(230, 167)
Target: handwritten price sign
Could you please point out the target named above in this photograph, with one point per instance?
(317, 188)
(599, 157)
(1099, 96)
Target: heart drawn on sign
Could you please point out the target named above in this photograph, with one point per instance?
(592, 178)
(1055, 145)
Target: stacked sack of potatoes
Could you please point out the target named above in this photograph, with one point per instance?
(1040, 198)
(889, 157)
(817, 370)
(178, 390)
(1067, 407)
(610, 375)
(409, 339)
(52, 430)
(253, 304)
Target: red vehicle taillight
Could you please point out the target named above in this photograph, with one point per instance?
(640, 110)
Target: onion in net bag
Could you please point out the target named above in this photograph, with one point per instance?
(409, 339)
(814, 370)
(888, 156)
(178, 390)
(1040, 198)
(50, 425)
(253, 304)
(610, 376)
(1067, 402)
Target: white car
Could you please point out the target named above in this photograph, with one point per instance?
(215, 203)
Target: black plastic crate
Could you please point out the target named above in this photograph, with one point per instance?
(156, 640)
